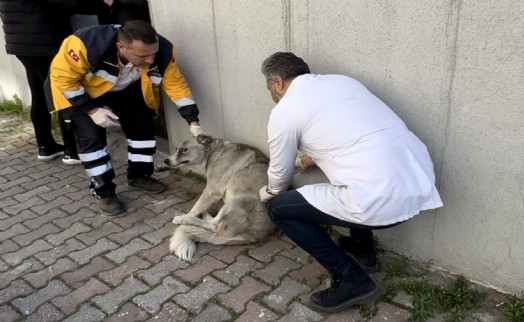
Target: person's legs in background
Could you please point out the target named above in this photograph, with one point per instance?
(36, 70)
(301, 222)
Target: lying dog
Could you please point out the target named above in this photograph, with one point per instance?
(235, 172)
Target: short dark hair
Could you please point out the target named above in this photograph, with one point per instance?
(284, 64)
(137, 30)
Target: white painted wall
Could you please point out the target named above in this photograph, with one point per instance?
(453, 70)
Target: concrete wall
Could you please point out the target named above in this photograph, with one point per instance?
(453, 70)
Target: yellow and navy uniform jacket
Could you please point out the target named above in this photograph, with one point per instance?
(86, 67)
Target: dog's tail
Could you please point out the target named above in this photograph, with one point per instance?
(181, 243)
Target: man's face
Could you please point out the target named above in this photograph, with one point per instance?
(138, 53)
(271, 86)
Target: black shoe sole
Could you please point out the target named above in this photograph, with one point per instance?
(50, 157)
(370, 297)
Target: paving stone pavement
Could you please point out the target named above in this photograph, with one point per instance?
(62, 261)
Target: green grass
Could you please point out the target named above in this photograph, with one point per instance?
(515, 309)
(15, 107)
(451, 300)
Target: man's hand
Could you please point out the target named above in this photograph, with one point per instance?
(300, 167)
(196, 130)
(265, 194)
(104, 117)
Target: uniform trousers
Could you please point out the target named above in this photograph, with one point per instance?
(137, 121)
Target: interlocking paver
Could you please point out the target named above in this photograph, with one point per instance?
(51, 256)
(60, 260)
(74, 230)
(279, 267)
(9, 246)
(14, 230)
(300, 312)
(8, 314)
(164, 268)
(96, 234)
(78, 276)
(234, 272)
(43, 276)
(204, 266)
(85, 255)
(155, 254)
(27, 266)
(116, 275)
(111, 301)
(196, 298)
(120, 254)
(22, 217)
(87, 313)
(134, 217)
(310, 274)
(152, 301)
(257, 313)
(82, 294)
(45, 313)
(212, 313)
(126, 235)
(279, 298)
(158, 235)
(170, 313)
(42, 220)
(26, 239)
(14, 192)
(16, 289)
(27, 305)
(17, 257)
(237, 298)
(128, 313)
(230, 253)
(266, 252)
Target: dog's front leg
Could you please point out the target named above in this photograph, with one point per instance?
(206, 200)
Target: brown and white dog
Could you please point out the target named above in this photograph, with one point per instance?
(234, 172)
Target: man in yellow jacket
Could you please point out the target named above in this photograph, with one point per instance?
(110, 75)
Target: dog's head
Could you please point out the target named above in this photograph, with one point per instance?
(193, 151)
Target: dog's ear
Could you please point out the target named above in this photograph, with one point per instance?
(204, 139)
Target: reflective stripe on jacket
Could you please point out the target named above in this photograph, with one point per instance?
(86, 67)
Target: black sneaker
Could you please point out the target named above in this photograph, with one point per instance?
(344, 294)
(48, 153)
(363, 253)
(71, 158)
(148, 184)
(111, 206)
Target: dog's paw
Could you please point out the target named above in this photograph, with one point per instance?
(177, 220)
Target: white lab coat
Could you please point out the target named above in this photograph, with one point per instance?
(380, 173)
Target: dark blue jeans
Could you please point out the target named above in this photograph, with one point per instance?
(300, 221)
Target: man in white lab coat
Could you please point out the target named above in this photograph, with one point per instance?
(380, 174)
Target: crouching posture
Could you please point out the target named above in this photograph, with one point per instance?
(234, 173)
(380, 174)
(110, 75)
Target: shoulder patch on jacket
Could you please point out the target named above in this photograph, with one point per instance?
(73, 55)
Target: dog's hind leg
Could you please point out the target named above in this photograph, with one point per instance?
(193, 221)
